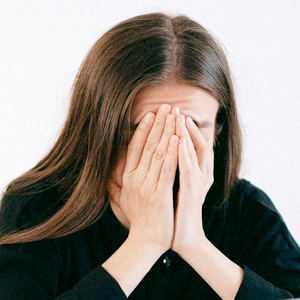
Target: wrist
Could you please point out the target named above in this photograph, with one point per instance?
(219, 272)
(189, 248)
(136, 239)
(131, 262)
(153, 240)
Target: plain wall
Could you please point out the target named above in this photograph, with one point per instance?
(42, 44)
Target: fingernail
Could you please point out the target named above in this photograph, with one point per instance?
(175, 111)
(164, 109)
(170, 119)
(149, 117)
(189, 121)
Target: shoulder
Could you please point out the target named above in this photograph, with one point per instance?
(247, 194)
(250, 204)
(18, 211)
(255, 215)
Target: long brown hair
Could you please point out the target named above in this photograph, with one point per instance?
(143, 51)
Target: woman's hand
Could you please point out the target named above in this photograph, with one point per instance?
(195, 159)
(146, 195)
(146, 199)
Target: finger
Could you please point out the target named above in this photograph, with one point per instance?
(154, 138)
(136, 145)
(182, 132)
(169, 167)
(175, 111)
(185, 165)
(161, 150)
(200, 144)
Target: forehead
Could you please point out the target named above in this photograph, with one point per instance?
(191, 101)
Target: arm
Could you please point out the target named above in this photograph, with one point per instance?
(44, 269)
(131, 262)
(196, 177)
(146, 199)
(225, 277)
(30, 272)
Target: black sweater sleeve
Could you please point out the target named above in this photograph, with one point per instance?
(30, 271)
(33, 270)
(96, 285)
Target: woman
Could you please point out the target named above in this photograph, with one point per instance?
(140, 195)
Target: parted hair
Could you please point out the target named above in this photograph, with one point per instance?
(143, 51)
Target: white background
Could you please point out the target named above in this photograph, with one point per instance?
(42, 44)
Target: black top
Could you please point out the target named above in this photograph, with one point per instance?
(247, 229)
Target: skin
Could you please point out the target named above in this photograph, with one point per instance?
(187, 100)
(141, 189)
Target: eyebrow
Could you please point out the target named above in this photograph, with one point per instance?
(202, 124)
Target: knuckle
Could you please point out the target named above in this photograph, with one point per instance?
(169, 127)
(158, 155)
(150, 146)
(171, 152)
(160, 122)
(131, 148)
(166, 169)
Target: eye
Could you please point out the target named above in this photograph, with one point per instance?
(203, 124)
